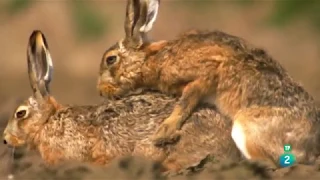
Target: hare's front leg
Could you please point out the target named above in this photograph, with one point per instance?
(192, 94)
(51, 156)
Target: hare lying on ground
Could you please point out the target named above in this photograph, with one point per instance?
(103, 132)
(268, 108)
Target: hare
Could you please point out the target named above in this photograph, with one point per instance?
(99, 133)
(267, 107)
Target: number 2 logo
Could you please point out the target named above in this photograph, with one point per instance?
(287, 159)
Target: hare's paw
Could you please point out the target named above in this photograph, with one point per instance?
(167, 133)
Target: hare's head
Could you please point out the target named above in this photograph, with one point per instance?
(120, 67)
(30, 115)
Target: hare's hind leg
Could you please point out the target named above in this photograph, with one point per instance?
(261, 133)
(239, 137)
(248, 140)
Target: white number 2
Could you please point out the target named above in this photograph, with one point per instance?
(287, 160)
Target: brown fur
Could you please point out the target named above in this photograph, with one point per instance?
(100, 133)
(242, 81)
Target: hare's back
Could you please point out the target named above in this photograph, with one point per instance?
(206, 133)
(195, 39)
(207, 50)
(266, 81)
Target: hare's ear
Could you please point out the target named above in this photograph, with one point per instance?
(149, 14)
(40, 65)
(140, 16)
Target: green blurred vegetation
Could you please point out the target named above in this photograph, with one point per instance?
(286, 11)
(16, 6)
(90, 24)
(283, 12)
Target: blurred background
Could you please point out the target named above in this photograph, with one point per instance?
(78, 33)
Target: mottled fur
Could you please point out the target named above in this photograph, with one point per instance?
(100, 133)
(268, 108)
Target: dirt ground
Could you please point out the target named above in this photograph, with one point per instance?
(29, 166)
(76, 67)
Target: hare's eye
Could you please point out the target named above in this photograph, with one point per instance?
(111, 60)
(21, 113)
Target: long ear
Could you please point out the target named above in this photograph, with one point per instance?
(140, 16)
(40, 65)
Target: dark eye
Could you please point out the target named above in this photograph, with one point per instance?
(21, 114)
(111, 59)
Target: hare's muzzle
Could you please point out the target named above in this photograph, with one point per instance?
(5, 140)
(11, 140)
(6, 143)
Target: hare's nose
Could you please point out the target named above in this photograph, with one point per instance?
(4, 141)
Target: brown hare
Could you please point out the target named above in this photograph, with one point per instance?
(267, 107)
(98, 134)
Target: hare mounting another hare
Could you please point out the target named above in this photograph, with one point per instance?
(100, 133)
(268, 108)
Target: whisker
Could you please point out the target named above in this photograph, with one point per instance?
(3, 154)
(11, 164)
